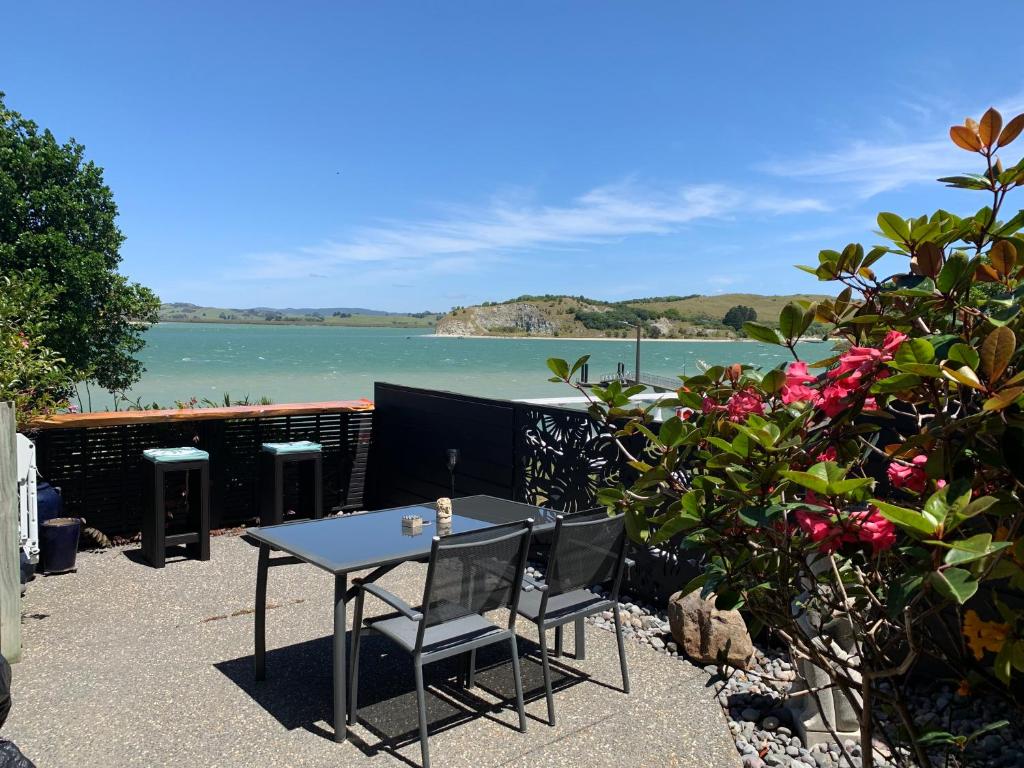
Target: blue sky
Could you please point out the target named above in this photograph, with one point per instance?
(417, 155)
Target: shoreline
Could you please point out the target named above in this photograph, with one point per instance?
(630, 340)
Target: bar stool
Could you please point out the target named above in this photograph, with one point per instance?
(273, 458)
(155, 540)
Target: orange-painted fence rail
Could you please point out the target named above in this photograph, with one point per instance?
(116, 418)
(96, 458)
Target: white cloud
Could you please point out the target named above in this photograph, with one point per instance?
(873, 168)
(462, 235)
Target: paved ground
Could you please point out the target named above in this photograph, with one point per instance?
(126, 665)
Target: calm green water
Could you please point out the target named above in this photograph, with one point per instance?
(295, 364)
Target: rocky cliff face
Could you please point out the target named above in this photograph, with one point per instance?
(517, 317)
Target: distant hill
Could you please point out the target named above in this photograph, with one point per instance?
(182, 312)
(577, 316)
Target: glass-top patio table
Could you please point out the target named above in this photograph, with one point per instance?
(359, 542)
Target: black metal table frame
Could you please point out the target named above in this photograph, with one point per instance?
(342, 594)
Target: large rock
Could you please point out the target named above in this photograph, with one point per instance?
(706, 634)
(515, 317)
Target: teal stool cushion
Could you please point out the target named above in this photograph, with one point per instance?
(171, 455)
(300, 446)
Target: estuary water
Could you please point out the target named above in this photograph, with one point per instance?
(301, 364)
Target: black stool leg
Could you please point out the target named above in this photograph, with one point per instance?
(158, 554)
(148, 511)
(318, 488)
(201, 549)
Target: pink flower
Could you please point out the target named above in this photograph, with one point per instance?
(709, 405)
(829, 454)
(72, 409)
(742, 404)
(795, 390)
(876, 530)
(833, 401)
(799, 393)
(796, 373)
(892, 341)
(860, 526)
(912, 476)
(858, 364)
(817, 528)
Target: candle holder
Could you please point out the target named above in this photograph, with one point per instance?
(412, 524)
(444, 510)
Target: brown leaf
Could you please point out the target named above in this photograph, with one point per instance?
(1004, 398)
(965, 138)
(996, 351)
(928, 259)
(989, 127)
(1003, 256)
(1011, 131)
(985, 274)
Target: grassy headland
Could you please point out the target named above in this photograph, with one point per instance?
(669, 317)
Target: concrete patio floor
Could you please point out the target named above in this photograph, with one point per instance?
(126, 665)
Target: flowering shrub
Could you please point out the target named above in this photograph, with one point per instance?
(883, 483)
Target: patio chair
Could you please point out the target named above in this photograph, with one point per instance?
(587, 549)
(468, 574)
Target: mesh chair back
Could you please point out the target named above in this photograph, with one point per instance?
(588, 549)
(474, 572)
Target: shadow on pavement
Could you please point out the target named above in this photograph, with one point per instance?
(298, 689)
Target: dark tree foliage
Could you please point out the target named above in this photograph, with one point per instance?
(57, 219)
(738, 315)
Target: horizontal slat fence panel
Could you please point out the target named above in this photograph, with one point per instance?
(413, 430)
(99, 469)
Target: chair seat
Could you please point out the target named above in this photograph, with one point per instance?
(299, 446)
(564, 605)
(436, 638)
(172, 455)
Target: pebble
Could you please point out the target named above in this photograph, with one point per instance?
(754, 703)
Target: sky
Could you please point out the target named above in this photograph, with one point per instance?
(413, 156)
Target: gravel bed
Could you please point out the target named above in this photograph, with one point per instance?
(762, 727)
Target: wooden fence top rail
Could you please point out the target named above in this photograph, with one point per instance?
(114, 418)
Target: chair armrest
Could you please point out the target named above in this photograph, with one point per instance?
(393, 600)
(531, 584)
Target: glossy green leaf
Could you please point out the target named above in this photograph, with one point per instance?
(901, 382)
(894, 227)
(954, 584)
(762, 333)
(955, 268)
(965, 355)
(794, 320)
(974, 548)
(909, 520)
(915, 351)
(559, 367)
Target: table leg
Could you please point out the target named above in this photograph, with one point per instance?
(340, 667)
(260, 616)
(581, 640)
